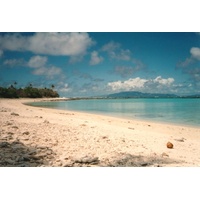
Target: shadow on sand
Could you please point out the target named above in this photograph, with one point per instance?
(17, 154)
(128, 160)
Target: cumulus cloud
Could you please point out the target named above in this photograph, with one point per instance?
(195, 52)
(95, 58)
(163, 81)
(66, 44)
(141, 84)
(37, 61)
(129, 84)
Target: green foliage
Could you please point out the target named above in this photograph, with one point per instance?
(27, 92)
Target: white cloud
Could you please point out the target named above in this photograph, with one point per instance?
(195, 52)
(14, 42)
(163, 81)
(95, 58)
(37, 61)
(141, 84)
(129, 84)
(68, 44)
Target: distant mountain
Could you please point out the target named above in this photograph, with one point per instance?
(135, 94)
(192, 96)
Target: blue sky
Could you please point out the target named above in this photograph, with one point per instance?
(96, 63)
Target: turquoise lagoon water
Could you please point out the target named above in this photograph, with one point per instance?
(177, 110)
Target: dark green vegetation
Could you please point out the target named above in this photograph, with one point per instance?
(27, 92)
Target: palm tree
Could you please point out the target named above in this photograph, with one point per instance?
(52, 86)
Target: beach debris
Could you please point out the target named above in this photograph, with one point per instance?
(131, 128)
(180, 140)
(170, 145)
(46, 122)
(15, 114)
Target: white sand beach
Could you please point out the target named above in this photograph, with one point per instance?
(33, 136)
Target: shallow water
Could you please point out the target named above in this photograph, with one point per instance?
(177, 110)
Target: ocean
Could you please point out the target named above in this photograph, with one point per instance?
(170, 110)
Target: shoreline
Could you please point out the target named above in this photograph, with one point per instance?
(71, 138)
(158, 122)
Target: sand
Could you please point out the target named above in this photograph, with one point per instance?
(40, 137)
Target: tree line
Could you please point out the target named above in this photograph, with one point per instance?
(27, 92)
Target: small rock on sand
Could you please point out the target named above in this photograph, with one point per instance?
(26, 133)
(170, 145)
(87, 160)
(15, 114)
